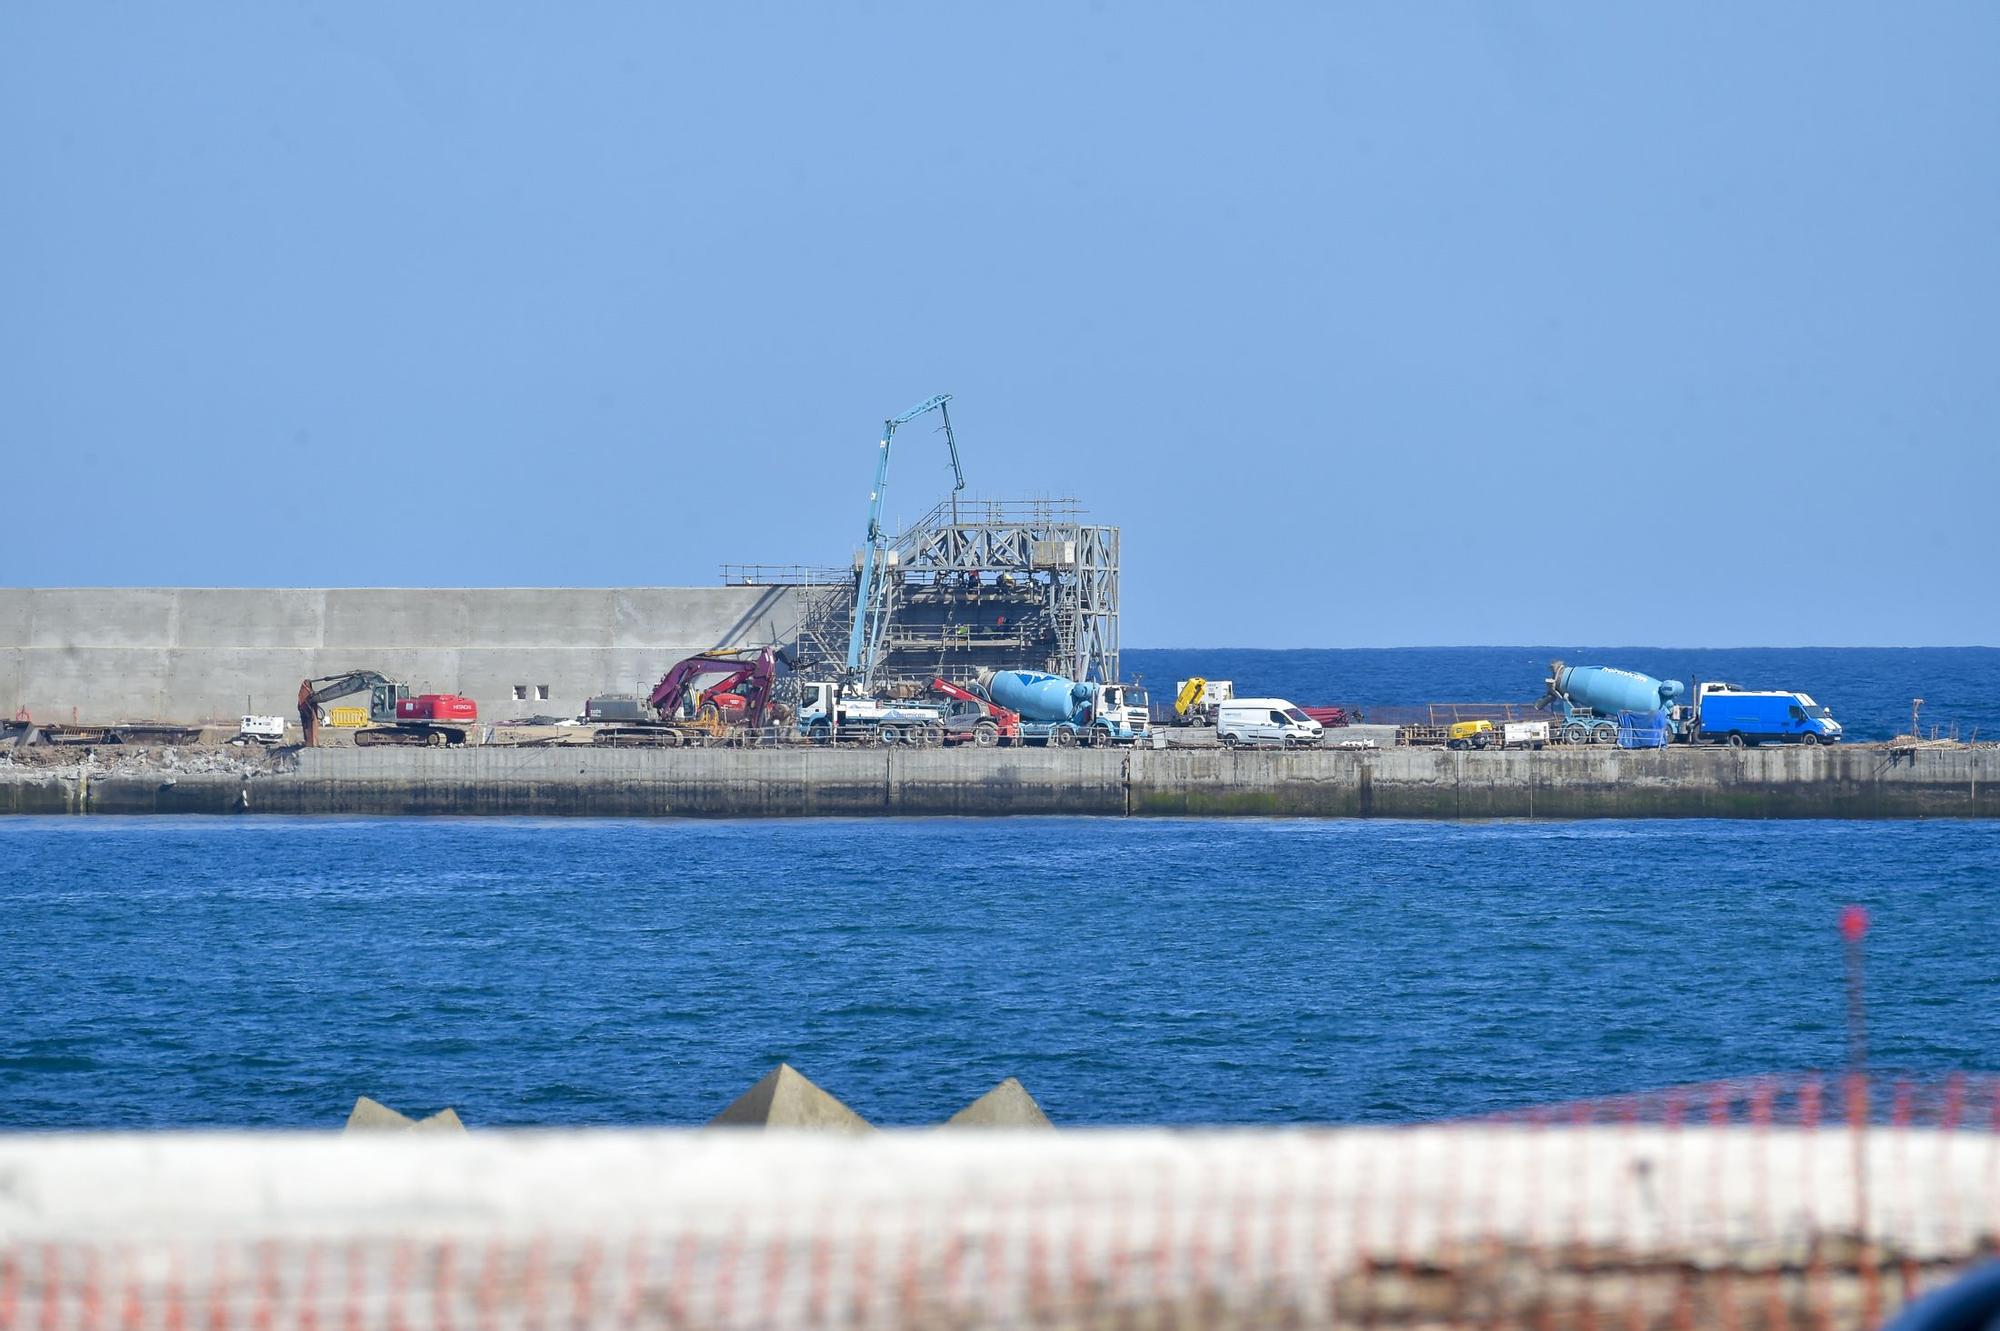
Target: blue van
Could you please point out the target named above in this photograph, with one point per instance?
(1725, 714)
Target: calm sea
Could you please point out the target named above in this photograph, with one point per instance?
(265, 972)
(1868, 689)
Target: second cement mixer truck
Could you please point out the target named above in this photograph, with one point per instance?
(1062, 711)
(1590, 698)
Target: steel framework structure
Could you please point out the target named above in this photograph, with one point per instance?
(1004, 585)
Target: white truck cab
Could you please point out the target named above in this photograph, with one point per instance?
(1121, 710)
(1267, 723)
(826, 711)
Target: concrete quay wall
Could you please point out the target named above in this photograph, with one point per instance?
(1849, 782)
(191, 654)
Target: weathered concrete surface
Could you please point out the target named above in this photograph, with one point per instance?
(373, 1116)
(1859, 781)
(785, 1098)
(1007, 1105)
(189, 654)
(1608, 1226)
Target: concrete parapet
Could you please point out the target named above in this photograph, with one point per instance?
(1618, 1225)
(1850, 781)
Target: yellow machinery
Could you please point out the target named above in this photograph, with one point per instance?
(347, 718)
(1470, 735)
(1190, 694)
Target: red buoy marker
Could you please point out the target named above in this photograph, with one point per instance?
(1854, 928)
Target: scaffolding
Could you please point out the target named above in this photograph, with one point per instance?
(973, 584)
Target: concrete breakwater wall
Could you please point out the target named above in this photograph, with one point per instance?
(193, 654)
(1859, 781)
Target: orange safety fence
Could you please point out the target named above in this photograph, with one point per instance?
(1804, 1200)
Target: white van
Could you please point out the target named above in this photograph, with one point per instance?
(1271, 722)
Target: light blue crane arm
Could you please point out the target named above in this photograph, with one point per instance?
(918, 410)
(936, 404)
(865, 591)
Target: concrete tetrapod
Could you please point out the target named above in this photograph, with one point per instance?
(1007, 1105)
(785, 1099)
(374, 1116)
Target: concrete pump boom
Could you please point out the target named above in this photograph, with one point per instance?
(867, 616)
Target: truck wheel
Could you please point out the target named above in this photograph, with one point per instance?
(1809, 738)
(886, 735)
(985, 735)
(1062, 737)
(819, 732)
(1454, 744)
(1736, 740)
(1229, 741)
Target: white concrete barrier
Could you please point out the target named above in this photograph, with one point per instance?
(1449, 1225)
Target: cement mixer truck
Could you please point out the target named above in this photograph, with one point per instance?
(1589, 698)
(1064, 712)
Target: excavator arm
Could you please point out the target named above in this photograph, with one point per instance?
(329, 687)
(314, 693)
(751, 672)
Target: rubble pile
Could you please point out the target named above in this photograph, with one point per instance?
(132, 760)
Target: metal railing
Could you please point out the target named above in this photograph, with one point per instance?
(785, 575)
(993, 513)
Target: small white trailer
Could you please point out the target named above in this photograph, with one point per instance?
(260, 730)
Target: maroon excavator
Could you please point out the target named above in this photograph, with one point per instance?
(738, 703)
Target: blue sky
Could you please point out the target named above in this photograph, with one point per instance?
(1370, 325)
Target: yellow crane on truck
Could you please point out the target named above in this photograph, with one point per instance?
(1197, 700)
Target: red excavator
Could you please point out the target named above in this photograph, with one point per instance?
(976, 720)
(738, 702)
(394, 716)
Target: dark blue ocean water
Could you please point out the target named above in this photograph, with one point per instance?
(264, 972)
(1868, 689)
